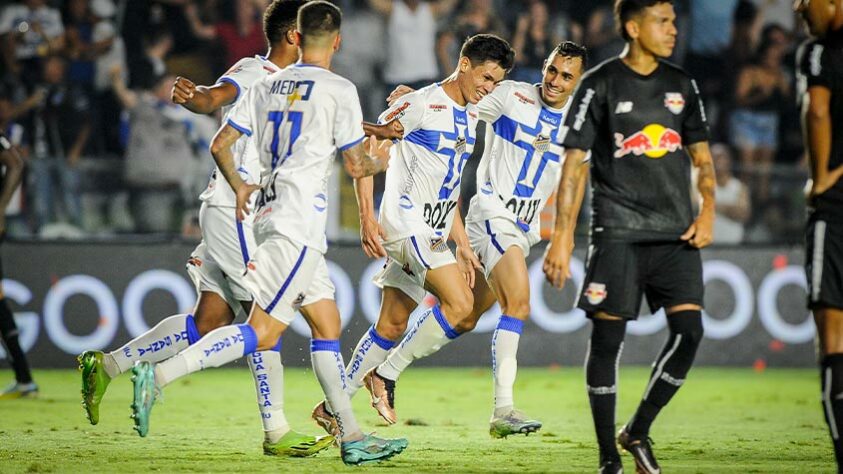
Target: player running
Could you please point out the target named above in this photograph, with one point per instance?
(298, 118)
(418, 213)
(218, 263)
(638, 115)
(820, 72)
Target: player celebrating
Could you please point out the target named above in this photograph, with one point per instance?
(219, 261)
(638, 115)
(299, 117)
(820, 68)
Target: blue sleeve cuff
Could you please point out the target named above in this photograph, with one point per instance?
(241, 129)
(355, 142)
(233, 83)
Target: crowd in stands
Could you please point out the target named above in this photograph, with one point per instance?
(85, 85)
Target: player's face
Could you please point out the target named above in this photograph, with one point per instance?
(561, 74)
(816, 13)
(478, 81)
(657, 29)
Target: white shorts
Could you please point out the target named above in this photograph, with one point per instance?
(281, 273)
(408, 261)
(490, 238)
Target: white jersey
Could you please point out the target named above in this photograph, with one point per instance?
(521, 164)
(298, 117)
(242, 75)
(423, 178)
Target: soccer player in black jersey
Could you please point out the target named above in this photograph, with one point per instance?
(642, 118)
(820, 72)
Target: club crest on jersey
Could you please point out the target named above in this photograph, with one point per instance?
(596, 293)
(397, 113)
(541, 143)
(438, 245)
(654, 141)
(674, 102)
(459, 146)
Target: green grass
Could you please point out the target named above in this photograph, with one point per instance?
(723, 420)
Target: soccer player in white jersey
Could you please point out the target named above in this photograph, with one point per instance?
(298, 118)
(417, 214)
(218, 263)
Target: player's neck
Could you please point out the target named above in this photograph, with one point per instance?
(282, 57)
(451, 86)
(316, 57)
(639, 60)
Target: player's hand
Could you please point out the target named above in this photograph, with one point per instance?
(244, 193)
(392, 130)
(816, 188)
(399, 92)
(701, 232)
(557, 261)
(468, 264)
(371, 234)
(183, 89)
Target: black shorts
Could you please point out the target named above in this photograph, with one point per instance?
(824, 263)
(619, 273)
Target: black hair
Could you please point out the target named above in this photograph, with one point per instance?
(626, 9)
(481, 48)
(319, 18)
(279, 18)
(569, 49)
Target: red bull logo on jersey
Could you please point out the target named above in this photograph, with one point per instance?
(674, 102)
(654, 141)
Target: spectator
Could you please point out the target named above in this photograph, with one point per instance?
(144, 71)
(241, 36)
(59, 130)
(761, 88)
(411, 40)
(733, 203)
(601, 38)
(357, 60)
(711, 30)
(30, 31)
(532, 42)
(14, 132)
(476, 16)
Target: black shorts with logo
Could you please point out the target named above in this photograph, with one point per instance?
(619, 273)
(824, 263)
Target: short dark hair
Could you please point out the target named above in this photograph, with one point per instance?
(569, 49)
(319, 18)
(481, 48)
(279, 18)
(626, 9)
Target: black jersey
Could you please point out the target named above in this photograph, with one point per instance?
(636, 128)
(820, 63)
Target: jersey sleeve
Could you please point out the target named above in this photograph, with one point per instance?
(490, 108)
(409, 110)
(588, 111)
(242, 75)
(695, 123)
(348, 122)
(242, 116)
(814, 65)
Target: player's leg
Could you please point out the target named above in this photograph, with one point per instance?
(829, 323)
(23, 385)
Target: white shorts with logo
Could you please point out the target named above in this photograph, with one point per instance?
(283, 275)
(490, 238)
(408, 261)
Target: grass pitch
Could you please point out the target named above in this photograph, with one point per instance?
(723, 420)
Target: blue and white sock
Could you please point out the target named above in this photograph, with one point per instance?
(268, 372)
(166, 339)
(330, 372)
(370, 352)
(504, 361)
(218, 347)
(429, 334)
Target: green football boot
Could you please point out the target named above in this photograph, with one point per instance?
(297, 445)
(371, 449)
(94, 383)
(514, 422)
(145, 395)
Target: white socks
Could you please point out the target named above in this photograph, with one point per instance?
(370, 352)
(166, 339)
(430, 333)
(268, 372)
(504, 362)
(330, 371)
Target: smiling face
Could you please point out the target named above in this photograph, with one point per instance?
(655, 29)
(476, 82)
(561, 75)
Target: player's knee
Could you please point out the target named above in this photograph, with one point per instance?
(607, 337)
(688, 324)
(459, 307)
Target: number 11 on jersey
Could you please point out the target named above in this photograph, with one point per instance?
(283, 134)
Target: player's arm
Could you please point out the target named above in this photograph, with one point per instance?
(127, 98)
(700, 234)
(224, 157)
(13, 164)
(569, 196)
(384, 7)
(467, 261)
(202, 99)
(388, 131)
(367, 158)
(371, 231)
(440, 8)
(816, 121)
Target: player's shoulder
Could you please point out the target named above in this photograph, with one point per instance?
(606, 69)
(245, 64)
(810, 54)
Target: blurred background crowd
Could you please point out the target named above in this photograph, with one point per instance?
(85, 86)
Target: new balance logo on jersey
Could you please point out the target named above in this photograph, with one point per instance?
(623, 108)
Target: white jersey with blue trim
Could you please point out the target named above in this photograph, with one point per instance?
(298, 118)
(522, 160)
(423, 178)
(242, 75)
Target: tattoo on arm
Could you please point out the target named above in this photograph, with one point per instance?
(706, 183)
(569, 188)
(359, 164)
(221, 150)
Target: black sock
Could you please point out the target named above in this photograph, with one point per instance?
(669, 370)
(9, 332)
(601, 381)
(831, 374)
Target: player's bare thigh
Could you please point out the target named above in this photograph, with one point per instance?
(829, 323)
(455, 298)
(323, 317)
(510, 281)
(396, 308)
